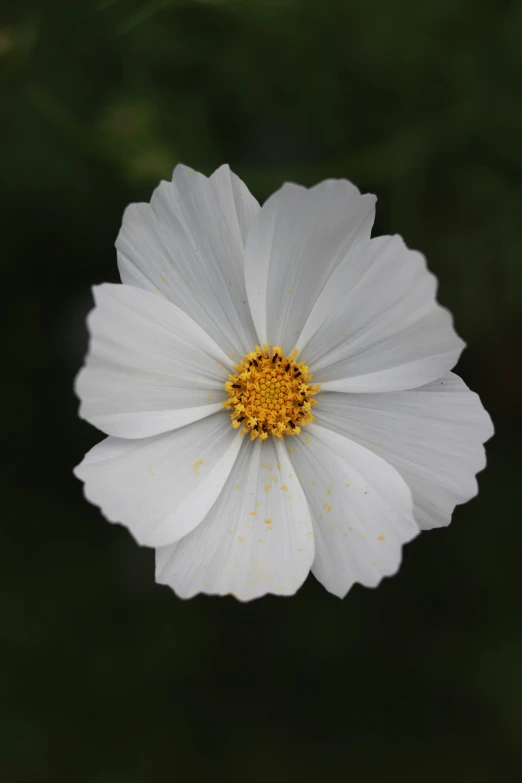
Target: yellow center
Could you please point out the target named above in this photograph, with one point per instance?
(270, 394)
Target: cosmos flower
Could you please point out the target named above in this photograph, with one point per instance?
(276, 390)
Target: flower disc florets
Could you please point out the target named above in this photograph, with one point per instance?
(270, 394)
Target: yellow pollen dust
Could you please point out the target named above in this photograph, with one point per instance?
(270, 394)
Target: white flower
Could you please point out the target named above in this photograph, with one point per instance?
(234, 318)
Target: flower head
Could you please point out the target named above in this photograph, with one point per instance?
(276, 390)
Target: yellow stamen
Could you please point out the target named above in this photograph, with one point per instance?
(270, 394)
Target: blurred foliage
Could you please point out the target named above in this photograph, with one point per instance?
(107, 677)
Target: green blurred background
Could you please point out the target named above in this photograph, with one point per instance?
(107, 678)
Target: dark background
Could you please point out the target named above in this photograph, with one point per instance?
(107, 678)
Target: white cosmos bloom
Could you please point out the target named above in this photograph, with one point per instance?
(235, 326)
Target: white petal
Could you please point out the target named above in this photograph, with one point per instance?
(376, 325)
(188, 243)
(256, 539)
(161, 487)
(433, 436)
(296, 241)
(150, 368)
(361, 508)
